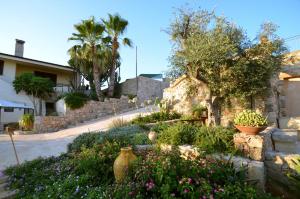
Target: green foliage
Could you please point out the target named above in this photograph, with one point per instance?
(217, 52)
(127, 135)
(170, 176)
(197, 110)
(156, 117)
(208, 139)
(67, 176)
(178, 134)
(294, 175)
(75, 100)
(26, 122)
(250, 118)
(33, 86)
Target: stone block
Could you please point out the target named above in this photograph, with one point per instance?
(256, 172)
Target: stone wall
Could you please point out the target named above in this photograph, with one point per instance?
(147, 88)
(277, 164)
(184, 93)
(91, 110)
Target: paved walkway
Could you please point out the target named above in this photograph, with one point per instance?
(30, 147)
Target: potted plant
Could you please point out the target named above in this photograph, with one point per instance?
(250, 122)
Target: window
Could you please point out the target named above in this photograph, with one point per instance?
(8, 109)
(28, 111)
(52, 77)
(1, 67)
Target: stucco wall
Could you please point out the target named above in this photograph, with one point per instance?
(63, 77)
(15, 116)
(9, 71)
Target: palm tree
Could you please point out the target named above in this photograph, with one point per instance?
(115, 26)
(90, 37)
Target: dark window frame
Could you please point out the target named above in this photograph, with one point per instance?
(1, 67)
(8, 109)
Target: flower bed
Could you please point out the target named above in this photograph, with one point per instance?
(86, 171)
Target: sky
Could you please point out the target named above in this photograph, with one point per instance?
(46, 25)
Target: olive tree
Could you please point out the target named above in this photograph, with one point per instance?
(219, 53)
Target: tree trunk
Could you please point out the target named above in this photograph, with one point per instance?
(112, 78)
(40, 106)
(96, 75)
(211, 120)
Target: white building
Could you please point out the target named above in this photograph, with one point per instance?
(13, 105)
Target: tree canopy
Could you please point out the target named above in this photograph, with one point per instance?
(36, 87)
(219, 53)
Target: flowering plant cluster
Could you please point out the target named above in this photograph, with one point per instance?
(169, 176)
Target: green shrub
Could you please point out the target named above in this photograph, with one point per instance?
(12, 125)
(178, 134)
(250, 118)
(75, 100)
(26, 122)
(215, 139)
(156, 117)
(127, 135)
(197, 110)
(208, 139)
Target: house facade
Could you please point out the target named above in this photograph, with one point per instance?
(13, 105)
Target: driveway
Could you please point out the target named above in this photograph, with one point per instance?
(30, 147)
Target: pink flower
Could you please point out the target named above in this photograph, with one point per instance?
(186, 190)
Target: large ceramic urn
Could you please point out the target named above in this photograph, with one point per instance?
(123, 161)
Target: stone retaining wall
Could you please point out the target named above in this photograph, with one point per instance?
(262, 149)
(91, 110)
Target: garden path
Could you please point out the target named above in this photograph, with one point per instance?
(32, 146)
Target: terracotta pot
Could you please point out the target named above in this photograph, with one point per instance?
(250, 130)
(122, 162)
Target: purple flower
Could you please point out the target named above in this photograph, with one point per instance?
(186, 190)
(190, 181)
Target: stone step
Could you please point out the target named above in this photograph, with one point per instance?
(285, 135)
(288, 147)
(8, 194)
(3, 187)
(3, 179)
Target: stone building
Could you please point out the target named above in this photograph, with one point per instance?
(144, 87)
(282, 107)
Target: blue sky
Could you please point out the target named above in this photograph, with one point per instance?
(45, 25)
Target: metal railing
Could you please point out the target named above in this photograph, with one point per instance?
(62, 88)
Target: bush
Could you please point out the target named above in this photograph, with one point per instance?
(208, 139)
(178, 134)
(156, 117)
(127, 135)
(250, 118)
(170, 176)
(12, 125)
(75, 100)
(26, 122)
(197, 110)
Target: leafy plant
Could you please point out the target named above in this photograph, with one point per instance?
(156, 117)
(75, 100)
(250, 118)
(26, 122)
(208, 139)
(170, 176)
(178, 134)
(197, 110)
(126, 135)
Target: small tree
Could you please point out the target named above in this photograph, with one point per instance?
(37, 88)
